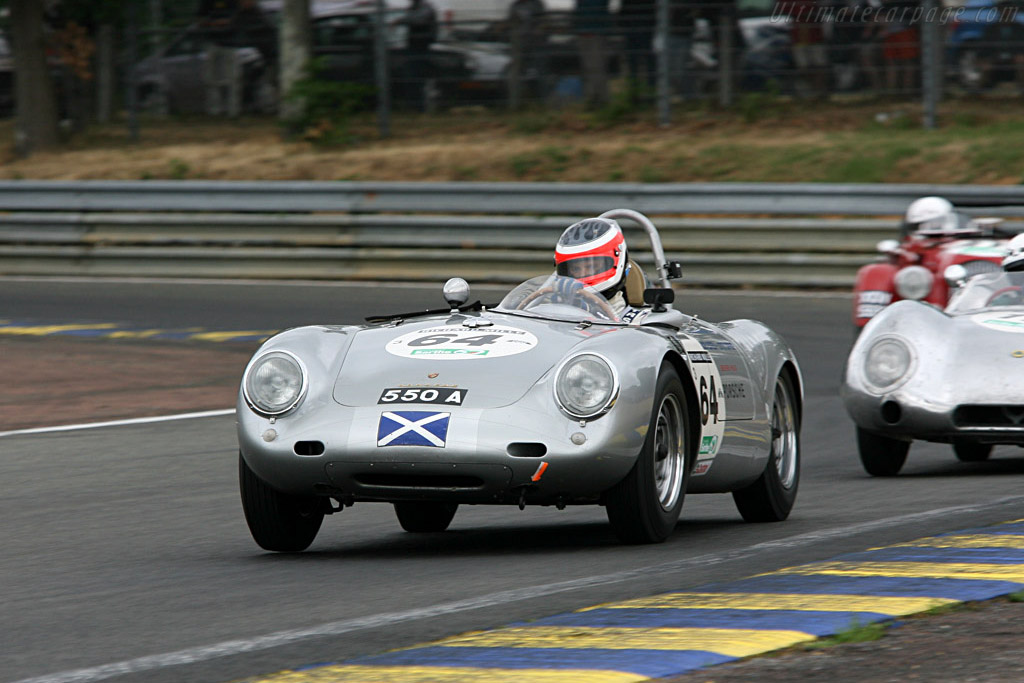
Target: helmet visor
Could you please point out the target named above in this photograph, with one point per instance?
(585, 266)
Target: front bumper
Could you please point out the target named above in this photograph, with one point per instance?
(901, 415)
(503, 455)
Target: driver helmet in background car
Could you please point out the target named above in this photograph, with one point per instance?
(593, 251)
(1014, 259)
(930, 216)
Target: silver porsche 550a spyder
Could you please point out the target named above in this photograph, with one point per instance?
(549, 398)
(948, 376)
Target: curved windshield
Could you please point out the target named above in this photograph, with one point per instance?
(558, 298)
(988, 290)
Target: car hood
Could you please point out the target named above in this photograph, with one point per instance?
(496, 358)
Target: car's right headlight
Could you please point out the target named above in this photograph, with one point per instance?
(887, 362)
(274, 383)
(586, 386)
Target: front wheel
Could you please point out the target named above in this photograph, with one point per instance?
(644, 507)
(880, 455)
(967, 451)
(425, 517)
(277, 521)
(771, 497)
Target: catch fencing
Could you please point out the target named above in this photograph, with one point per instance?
(724, 234)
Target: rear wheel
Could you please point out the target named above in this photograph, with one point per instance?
(880, 455)
(424, 517)
(644, 507)
(771, 497)
(968, 451)
(278, 521)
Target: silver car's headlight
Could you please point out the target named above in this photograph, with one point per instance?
(914, 282)
(887, 362)
(586, 386)
(274, 383)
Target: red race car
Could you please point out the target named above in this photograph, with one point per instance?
(933, 237)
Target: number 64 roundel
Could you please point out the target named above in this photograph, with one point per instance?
(454, 342)
(708, 381)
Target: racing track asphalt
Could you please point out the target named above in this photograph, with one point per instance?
(127, 542)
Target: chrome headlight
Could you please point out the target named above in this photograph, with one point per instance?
(887, 362)
(586, 386)
(914, 282)
(274, 383)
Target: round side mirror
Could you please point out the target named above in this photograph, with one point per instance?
(456, 292)
(955, 275)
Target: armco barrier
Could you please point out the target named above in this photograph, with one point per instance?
(725, 234)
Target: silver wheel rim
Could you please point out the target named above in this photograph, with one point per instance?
(669, 458)
(784, 441)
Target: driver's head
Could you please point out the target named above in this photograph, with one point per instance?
(929, 215)
(1014, 259)
(594, 252)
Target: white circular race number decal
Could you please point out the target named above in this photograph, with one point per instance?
(457, 343)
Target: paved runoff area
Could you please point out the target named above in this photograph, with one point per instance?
(675, 633)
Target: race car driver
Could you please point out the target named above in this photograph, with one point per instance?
(930, 216)
(593, 251)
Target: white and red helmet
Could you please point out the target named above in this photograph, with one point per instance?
(594, 252)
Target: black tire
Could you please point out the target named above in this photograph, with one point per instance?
(880, 455)
(969, 451)
(771, 497)
(278, 521)
(644, 507)
(424, 517)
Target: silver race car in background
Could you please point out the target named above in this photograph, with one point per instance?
(949, 376)
(549, 398)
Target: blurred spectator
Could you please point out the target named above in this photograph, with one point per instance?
(807, 38)
(870, 46)
(901, 45)
(527, 40)
(421, 20)
(843, 47)
(214, 17)
(681, 23)
(593, 24)
(637, 21)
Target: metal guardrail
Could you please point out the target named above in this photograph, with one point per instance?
(725, 234)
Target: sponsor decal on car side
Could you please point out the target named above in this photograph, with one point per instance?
(457, 343)
(711, 399)
(988, 248)
(1004, 322)
(871, 302)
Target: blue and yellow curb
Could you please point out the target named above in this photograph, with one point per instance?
(675, 633)
(14, 328)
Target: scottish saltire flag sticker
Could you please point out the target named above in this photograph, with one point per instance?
(413, 428)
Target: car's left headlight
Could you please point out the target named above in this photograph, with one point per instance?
(586, 386)
(274, 383)
(887, 362)
(914, 282)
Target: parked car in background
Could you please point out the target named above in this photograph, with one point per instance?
(177, 74)
(986, 44)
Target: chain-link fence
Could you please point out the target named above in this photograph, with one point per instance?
(596, 54)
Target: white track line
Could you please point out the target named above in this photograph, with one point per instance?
(241, 646)
(119, 423)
